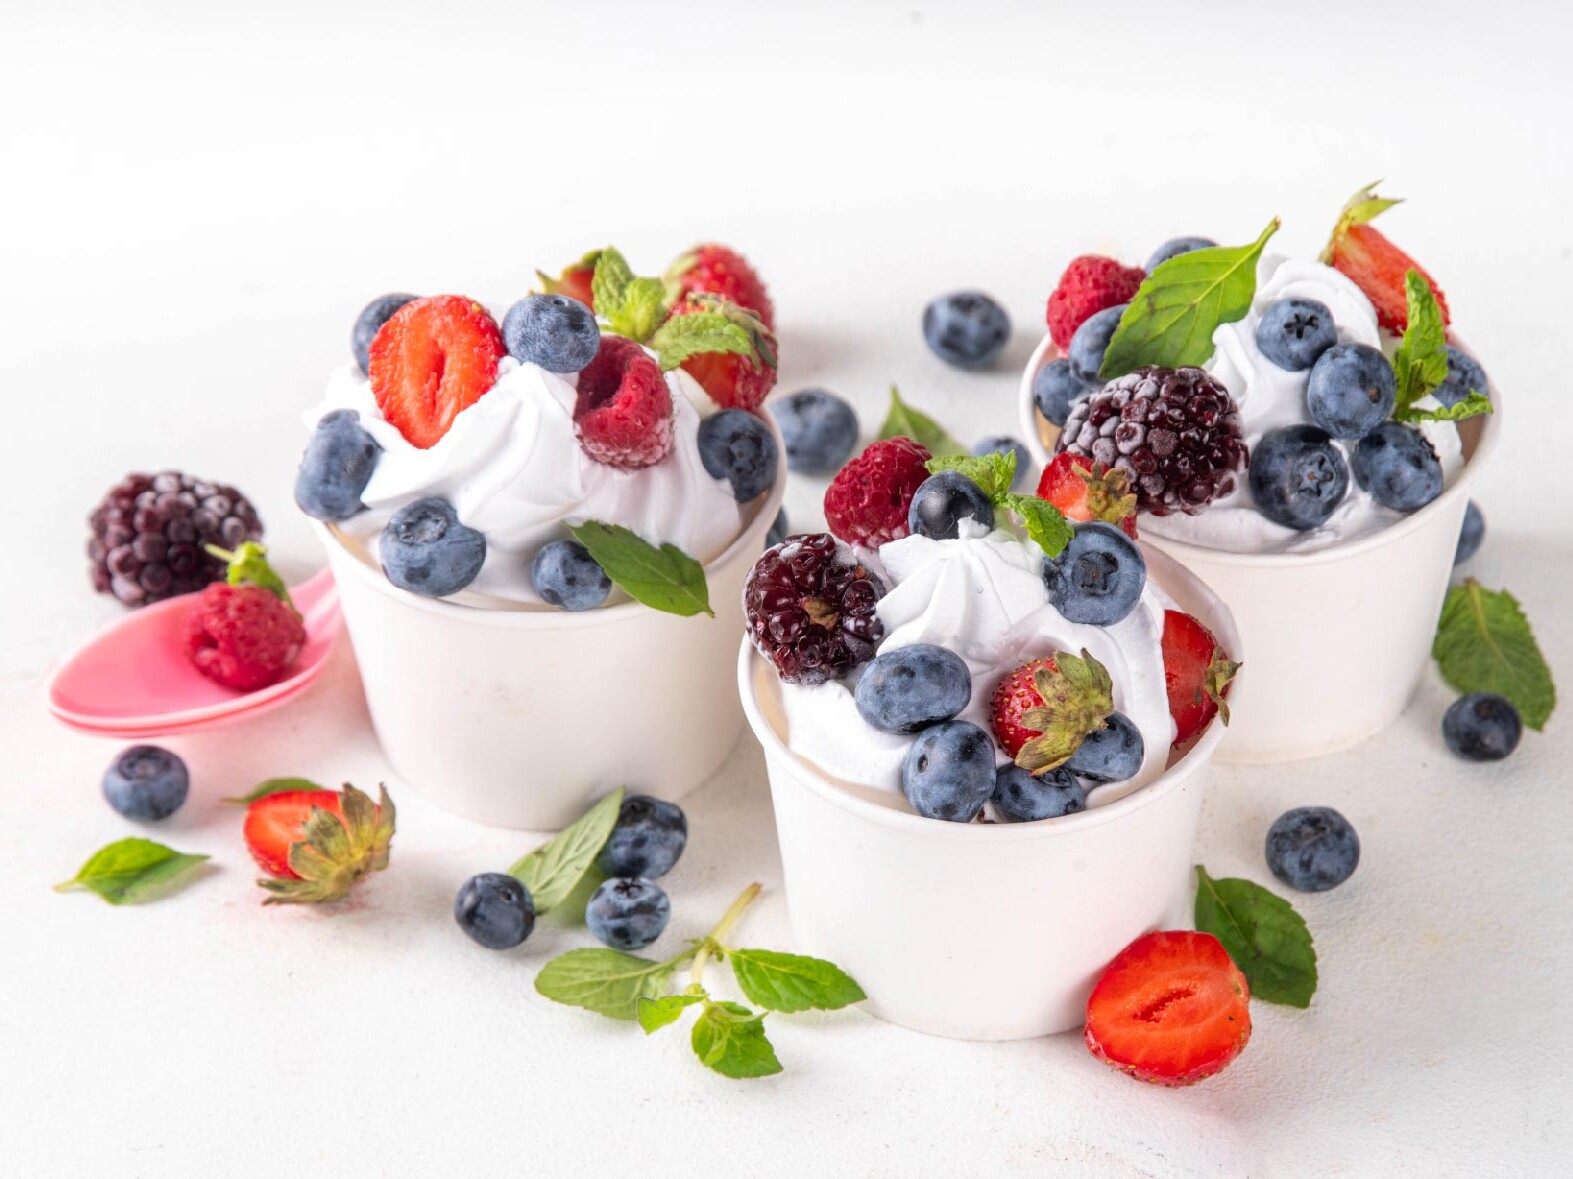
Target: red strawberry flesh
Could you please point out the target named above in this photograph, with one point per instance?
(432, 360)
(276, 822)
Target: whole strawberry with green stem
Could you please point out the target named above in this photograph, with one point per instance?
(317, 845)
(1364, 254)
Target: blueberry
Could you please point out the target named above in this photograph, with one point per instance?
(1005, 444)
(910, 688)
(1482, 726)
(1292, 333)
(819, 428)
(1298, 476)
(1176, 246)
(648, 840)
(779, 530)
(495, 909)
(1312, 848)
(1021, 797)
(1055, 387)
(1472, 532)
(373, 316)
(336, 467)
(949, 772)
(426, 550)
(737, 446)
(146, 783)
(1464, 376)
(1351, 390)
(1091, 341)
(942, 501)
(1099, 576)
(565, 575)
(1398, 467)
(1110, 754)
(966, 329)
(627, 914)
(553, 331)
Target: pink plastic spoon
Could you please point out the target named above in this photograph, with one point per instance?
(133, 678)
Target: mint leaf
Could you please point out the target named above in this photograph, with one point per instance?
(609, 283)
(553, 870)
(1266, 938)
(1420, 361)
(664, 578)
(129, 871)
(683, 336)
(273, 786)
(1484, 644)
(793, 982)
(1172, 317)
(730, 1039)
(631, 306)
(608, 982)
(1044, 522)
(1473, 405)
(903, 419)
(993, 473)
(655, 1014)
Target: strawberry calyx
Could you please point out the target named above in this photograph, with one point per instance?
(1109, 495)
(1361, 209)
(1216, 679)
(248, 564)
(335, 851)
(1078, 696)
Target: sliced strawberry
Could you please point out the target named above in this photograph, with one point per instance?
(433, 359)
(733, 380)
(1374, 264)
(1086, 490)
(1014, 696)
(1171, 1009)
(717, 270)
(277, 822)
(623, 414)
(1197, 672)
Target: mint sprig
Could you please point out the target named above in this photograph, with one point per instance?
(554, 870)
(1420, 361)
(1267, 939)
(994, 473)
(130, 871)
(683, 336)
(904, 420)
(664, 578)
(631, 306)
(1484, 644)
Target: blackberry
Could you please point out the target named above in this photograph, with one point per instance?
(810, 608)
(149, 531)
(1176, 430)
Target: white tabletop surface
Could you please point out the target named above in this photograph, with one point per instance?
(195, 204)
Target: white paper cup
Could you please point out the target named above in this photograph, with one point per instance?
(1340, 637)
(981, 931)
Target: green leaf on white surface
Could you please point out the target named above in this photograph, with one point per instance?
(272, 786)
(730, 1039)
(1484, 644)
(904, 420)
(130, 871)
(554, 870)
(1267, 939)
(793, 982)
(608, 982)
(655, 1014)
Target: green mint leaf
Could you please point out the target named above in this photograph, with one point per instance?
(644, 307)
(1420, 361)
(655, 1014)
(730, 1039)
(608, 982)
(993, 473)
(1044, 522)
(664, 578)
(609, 283)
(1484, 644)
(903, 419)
(683, 336)
(1475, 404)
(248, 565)
(1266, 938)
(1171, 319)
(133, 870)
(552, 871)
(273, 786)
(792, 982)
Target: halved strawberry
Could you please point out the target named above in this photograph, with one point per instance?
(1086, 490)
(276, 823)
(1171, 1009)
(1197, 672)
(433, 359)
(574, 281)
(316, 845)
(717, 270)
(1375, 264)
(733, 380)
(623, 414)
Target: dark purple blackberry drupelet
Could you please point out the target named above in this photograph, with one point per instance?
(1176, 430)
(810, 609)
(148, 535)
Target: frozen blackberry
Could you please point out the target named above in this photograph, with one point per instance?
(148, 535)
(1176, 430)
(810, 607)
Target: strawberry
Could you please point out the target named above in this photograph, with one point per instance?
(1091, 283)
(574, 281)
(1197, 673)
(1375, 265)
(1014, 697)
(733, 380)
(1084, 489)
(716, 270)
(623, 414)
(316, 845)
(1171, 1009)
(433, 359)
(1043, 710)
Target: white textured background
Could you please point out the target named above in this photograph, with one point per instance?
(194, 203)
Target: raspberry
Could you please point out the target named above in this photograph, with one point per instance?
(1014, 696)
(242, 636)
(810, 607)
(1176, 430)
(623, 414)
(149, 532)
(867, 502)
(1090, 284)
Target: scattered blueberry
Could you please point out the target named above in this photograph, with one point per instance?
(1099, 576)
(495, 909)
(1312, 848)
(949, 772)
(1021, 797)
(819, 428)
(1176, 246)
(1398, 467)
(1351, 390)
(779, 530)
(627, 914)
(1091, 341)
(1055, 387)
(553, 331)
(942, 501)
(966, 329)
(737, 446)
(426, 550)
(1464, 376)
(1482, 726)
(373, 316)
(339, 460)
(565, 575)
(648, 840)
(146, 783)
(1111, 754)
(910, 688)
(1470, 534)
(1298, 476)
(1005, 444)
(1292, 333)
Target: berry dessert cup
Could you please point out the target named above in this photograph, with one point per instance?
(1322, 488)
(540, 532)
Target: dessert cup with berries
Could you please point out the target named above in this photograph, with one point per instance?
(987, 730)
(1301, 434)
(540, 521)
